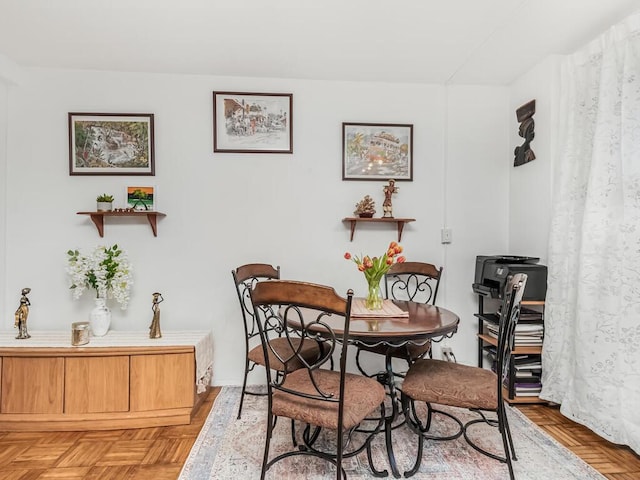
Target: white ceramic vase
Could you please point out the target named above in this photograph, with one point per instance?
(100, 318)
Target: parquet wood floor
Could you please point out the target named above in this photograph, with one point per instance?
(159, 453)
(616, 462)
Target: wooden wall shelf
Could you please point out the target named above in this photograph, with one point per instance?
(98, 218)
(398, 221)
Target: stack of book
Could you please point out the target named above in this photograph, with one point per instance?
(529, 330)
(527, 370)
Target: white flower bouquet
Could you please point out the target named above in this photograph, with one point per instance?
(107, 270)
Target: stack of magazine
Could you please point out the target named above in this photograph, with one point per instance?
(524, 378)
(529, 330)
(527, 370)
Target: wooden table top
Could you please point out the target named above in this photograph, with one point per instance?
(424, 322)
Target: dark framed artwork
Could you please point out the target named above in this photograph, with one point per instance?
(252, 122)
(377, 151)
(111, 144)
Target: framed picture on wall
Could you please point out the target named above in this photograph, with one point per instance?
(377, 151)
(141, 198)
(252, 122)
(111, 144)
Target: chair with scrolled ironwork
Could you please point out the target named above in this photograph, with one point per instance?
(245, 278)
(474, 388)
(315, 395)
(415, 282)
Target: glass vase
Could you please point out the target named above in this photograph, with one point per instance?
(374, 296)
(100, 318)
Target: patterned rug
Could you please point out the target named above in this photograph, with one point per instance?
(228, 448)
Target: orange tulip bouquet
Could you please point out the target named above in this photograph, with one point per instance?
(374, 269)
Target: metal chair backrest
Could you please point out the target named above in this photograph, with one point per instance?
(286, 306)
(245, 278)
(413, 281)
(509, 316)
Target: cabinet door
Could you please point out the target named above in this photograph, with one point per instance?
(162, 381)
(96, 384)
(32, 385)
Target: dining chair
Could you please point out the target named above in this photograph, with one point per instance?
(477, 389)
(245, 278)
(415, 282)
(315, 395)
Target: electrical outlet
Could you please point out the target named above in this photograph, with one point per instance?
(446, 235)
(447, 353)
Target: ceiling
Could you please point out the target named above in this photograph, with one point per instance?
(415, 41)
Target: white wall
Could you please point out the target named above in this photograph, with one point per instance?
(531, 184)
(476, 199)
(10, 75)
(224, 210)
(3, 184)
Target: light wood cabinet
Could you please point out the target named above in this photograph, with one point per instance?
(100, 388)
(96, 384)
(32, 385)
(150, 376)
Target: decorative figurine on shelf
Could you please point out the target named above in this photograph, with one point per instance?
(366, 207)
(154, 329)
(386, 205)
(21, 315)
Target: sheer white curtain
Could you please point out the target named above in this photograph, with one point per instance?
(591, 360)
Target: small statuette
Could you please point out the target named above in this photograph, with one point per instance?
(21, 315)
(154, 329)
(365, 208)
(524, 114)
(386, 205)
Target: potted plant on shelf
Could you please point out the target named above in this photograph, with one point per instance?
(105, 202)
(366, 207)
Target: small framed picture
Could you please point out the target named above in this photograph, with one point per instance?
(141, 198)
(377, 151)
(111, 144)
(252, 122)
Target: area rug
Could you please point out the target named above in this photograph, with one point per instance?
(227, 448)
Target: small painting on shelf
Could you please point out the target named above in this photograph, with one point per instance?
(141, 199)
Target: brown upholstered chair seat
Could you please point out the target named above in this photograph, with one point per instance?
(363, 395)
(446, 383)
(310, 352)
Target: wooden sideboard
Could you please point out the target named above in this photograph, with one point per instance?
(110, 383)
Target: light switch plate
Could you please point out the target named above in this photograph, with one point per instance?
(446, 235)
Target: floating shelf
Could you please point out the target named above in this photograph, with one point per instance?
(98, 218)
(398, 221)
